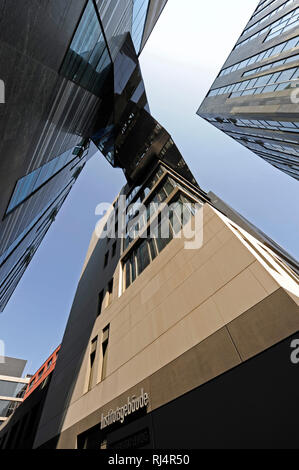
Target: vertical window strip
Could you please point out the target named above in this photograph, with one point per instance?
(290, 20)
(30, 183)
(265, 55)
(267, 17)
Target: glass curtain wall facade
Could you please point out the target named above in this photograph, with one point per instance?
(254, 98)
(12, 386)
(63, 105)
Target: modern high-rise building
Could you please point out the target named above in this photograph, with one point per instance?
(185, 315)
(254, 98)
(42, 373)
(57, 62)
(19, 428)
(170, 347)
(175, 336)
(12, 386)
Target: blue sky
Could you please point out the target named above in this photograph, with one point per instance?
(179, 63)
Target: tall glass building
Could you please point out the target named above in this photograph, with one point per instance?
(12, 386)
(57, 63)
(184, 313)
(254, 98)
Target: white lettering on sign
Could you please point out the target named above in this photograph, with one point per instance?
(133, 404)
(2, 92)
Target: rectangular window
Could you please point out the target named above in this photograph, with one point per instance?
(92, 359)
(162, 231)
(31, 383)
(114, 249)
(87, 61)
(110, 292)
(100, 302)
(143, 258)
(164, 235)
(30, 183)
(105, 342)
(106, 259)
(128, 273)
(153, 248)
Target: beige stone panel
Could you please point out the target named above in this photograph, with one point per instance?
(265, 324)
(175, 307)
(153, 286)
(139, 368)
(231, 259)
(201, 285)
(120, 353)
(91, 401)
(208, 213)
(188, 332)
(143, 334)
(294, 297)
(266, 280)
(179, 275)
(203, 254)
(240, 294)
(262, 110)
(120, 326)
(208, 232)
(206, 361)
(225, 235)
(197, 325)
(135, 309)
(203, 321)
(215, 225)
(173, 343)
(179, 261)
(200, 323)
(152, 294)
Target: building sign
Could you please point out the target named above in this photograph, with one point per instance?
(133, 404)
(2, 92)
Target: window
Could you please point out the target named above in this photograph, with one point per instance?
(31, 383)
(265, 84)
(278, 63)
(106, 259)
(152, 205)
(114, 249)
(280, 26)
(40, 373)
(105, 342)
(272, 125)
(144, 252)
(100, 302)
(30, 183)
(267, 17)
(110, 292)
(87, 61)
(50, 362)
(92, 358)
(12, 389)
(142, 256)
(139, 16)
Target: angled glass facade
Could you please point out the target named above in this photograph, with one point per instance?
(72, 70)
(256, 88)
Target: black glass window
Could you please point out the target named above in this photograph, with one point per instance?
(87, 61)
(143, 258)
